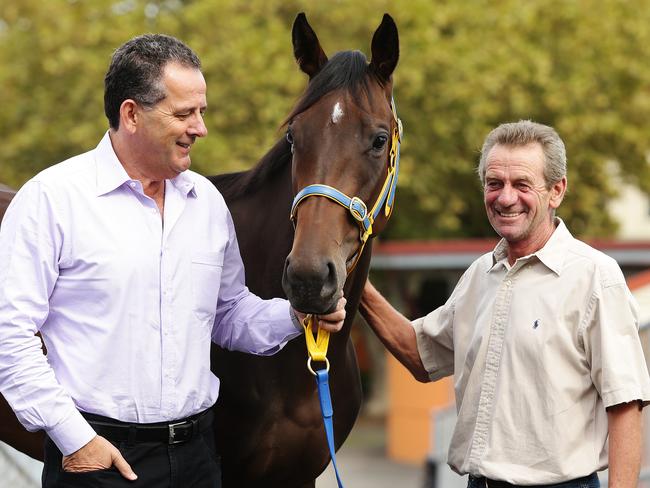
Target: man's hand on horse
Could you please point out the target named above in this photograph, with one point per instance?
(331, 322)
(97, 455)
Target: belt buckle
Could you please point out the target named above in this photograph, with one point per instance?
(172, 433)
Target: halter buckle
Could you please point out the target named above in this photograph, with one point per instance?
(358, 209)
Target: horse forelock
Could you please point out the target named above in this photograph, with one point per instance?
(346, 70)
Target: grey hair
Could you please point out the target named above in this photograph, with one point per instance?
(526, 132)
(136, 71)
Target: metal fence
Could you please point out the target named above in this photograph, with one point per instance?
(18, 470)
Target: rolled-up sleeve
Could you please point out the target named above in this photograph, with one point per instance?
(435, 332)
(434, 335)
(613, 346)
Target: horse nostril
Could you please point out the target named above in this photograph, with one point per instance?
(331, 273)
(314, 273)
(311, 284)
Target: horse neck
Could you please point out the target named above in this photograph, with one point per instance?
(264, 231)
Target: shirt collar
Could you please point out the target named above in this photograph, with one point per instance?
(554, 251)
(552, 255)
(111, 174)
(184, 183)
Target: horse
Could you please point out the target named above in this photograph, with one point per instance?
(341, 133)
(269, 428)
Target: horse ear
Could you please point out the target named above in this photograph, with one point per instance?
(385, 48)
(306, 47)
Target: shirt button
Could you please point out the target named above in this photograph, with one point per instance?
(132, 184)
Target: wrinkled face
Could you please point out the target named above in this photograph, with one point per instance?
(518, 204)
(342, 142)
(168, 129)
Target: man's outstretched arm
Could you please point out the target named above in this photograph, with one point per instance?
(393, 329)
(625, 430)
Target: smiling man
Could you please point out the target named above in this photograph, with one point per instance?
(127, 263)
(519, 201)
(541, 336)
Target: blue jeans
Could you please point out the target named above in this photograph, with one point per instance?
(590, 481)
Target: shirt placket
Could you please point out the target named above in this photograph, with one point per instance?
(174, 205)
(161, 280)
(169, 352)
(491, 371)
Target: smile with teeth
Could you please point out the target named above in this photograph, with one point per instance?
(509, 214)
(184, 146)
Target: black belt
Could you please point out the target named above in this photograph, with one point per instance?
(166, 432)
(488, 483)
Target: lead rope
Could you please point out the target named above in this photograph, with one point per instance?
(317, 349)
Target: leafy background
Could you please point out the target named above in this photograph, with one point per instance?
(465, 66)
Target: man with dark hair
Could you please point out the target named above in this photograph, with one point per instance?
(127, 263)
(541, 336)
(136, 72)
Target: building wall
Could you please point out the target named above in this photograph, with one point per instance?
(633, 208)
(410, 404)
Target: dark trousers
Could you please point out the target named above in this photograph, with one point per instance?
(190, 464)
(590, 481)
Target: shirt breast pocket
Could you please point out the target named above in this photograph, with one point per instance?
(206, 279)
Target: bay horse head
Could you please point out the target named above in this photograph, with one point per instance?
(344, 135)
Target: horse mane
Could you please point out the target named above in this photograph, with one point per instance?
(346, 70)
(241, 183)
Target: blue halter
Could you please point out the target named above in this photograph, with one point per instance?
(355, 205)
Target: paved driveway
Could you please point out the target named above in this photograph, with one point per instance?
(363, 464)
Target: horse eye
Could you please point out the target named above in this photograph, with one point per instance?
(379, 142)
(289, 136)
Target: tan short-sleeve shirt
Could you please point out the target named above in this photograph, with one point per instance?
(538, 350)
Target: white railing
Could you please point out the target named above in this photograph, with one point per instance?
(18, 470)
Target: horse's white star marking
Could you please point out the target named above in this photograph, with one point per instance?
(337, 113)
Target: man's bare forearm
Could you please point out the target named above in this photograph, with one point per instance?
(625, 427)
(393, 329)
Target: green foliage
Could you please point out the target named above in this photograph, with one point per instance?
(465, 66)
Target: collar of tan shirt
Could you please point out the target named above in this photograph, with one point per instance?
(552, 255)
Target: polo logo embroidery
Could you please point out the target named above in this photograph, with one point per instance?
(536, 324)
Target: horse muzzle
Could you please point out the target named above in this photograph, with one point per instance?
(313, 284)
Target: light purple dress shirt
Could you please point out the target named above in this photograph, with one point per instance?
(126, 303)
